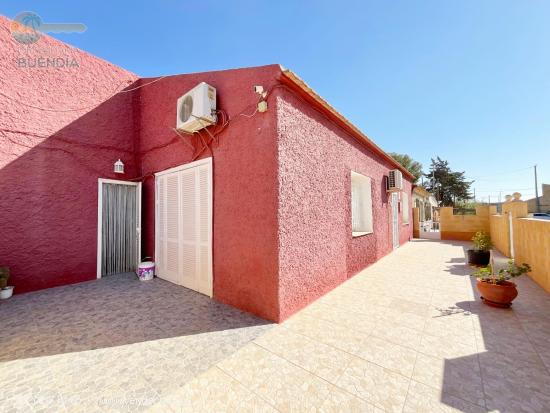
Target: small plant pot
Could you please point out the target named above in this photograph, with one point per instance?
(497, 295)
(479, 258)
(6, 292)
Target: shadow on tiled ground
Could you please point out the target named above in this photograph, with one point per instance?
(115, 344)
(408, 334)
(112, 311)
(510, 369)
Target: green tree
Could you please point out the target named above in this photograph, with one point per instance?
(448, 187)
(409, 164)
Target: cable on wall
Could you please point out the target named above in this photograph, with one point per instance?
(115, 92)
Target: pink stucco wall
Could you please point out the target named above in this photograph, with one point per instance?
(317, 250)
(245, 260)
(51, 157)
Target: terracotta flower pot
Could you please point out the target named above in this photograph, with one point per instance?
(500, 295)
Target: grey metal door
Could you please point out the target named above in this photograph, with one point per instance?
(120, 227)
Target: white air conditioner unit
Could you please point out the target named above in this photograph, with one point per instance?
(395, 181)
(197, 108)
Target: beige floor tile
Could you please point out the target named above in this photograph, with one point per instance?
(421, 289)
(216, 391)
(339, 401)
(324, 361)
(355, 300)
(335, 335)
(389, 355)
(443, 347)
(294, 390)
(252, 365)
(461, 330)
(424, 399)
(361, 321)
(460, 377)
(135, 395)
(394, 316)
(398, 334)
(287, 387)
(422, 297)
(385, 389)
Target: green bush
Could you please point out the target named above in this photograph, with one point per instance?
(504, 274)
(482, 241)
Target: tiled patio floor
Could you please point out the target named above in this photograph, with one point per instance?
(111, 344)
(408, 334)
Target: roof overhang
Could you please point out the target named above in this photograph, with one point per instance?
(291, 80)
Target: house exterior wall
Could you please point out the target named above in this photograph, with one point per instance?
(245, 244)
(317, 251)
(544, 200)
(281, 200)
(51, 157)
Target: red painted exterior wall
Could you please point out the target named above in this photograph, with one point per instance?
(50, 161)
(317, 250)
(281, 217)
(245, 260)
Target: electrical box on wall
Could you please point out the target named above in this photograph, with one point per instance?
(197, 108)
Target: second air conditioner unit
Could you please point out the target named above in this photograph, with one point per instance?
(395, 181)
(197, 108)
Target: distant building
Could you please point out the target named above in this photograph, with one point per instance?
(544, 200)
(427, 207)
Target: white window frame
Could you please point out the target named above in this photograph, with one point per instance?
(361, 186)
(405, 210)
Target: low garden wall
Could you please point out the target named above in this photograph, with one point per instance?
(499, 226)
(464, 227)
(531, 237)
(532, 245)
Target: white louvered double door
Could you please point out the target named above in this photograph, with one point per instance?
(184, 225)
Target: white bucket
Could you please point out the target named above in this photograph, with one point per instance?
(146, 270)
(6, 293)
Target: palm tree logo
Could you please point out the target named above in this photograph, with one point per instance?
(27, 27)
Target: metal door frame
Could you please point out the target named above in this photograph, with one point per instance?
(100, 183)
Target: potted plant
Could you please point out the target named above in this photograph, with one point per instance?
(496, 290)
(481, 254)
(5, 290)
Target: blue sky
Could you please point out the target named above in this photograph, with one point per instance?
(468, 80)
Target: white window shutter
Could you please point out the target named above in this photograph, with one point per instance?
(161, 224)
(205, 224)
(184, 233)
(189, 256)
(172, 264)
(361, 203)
